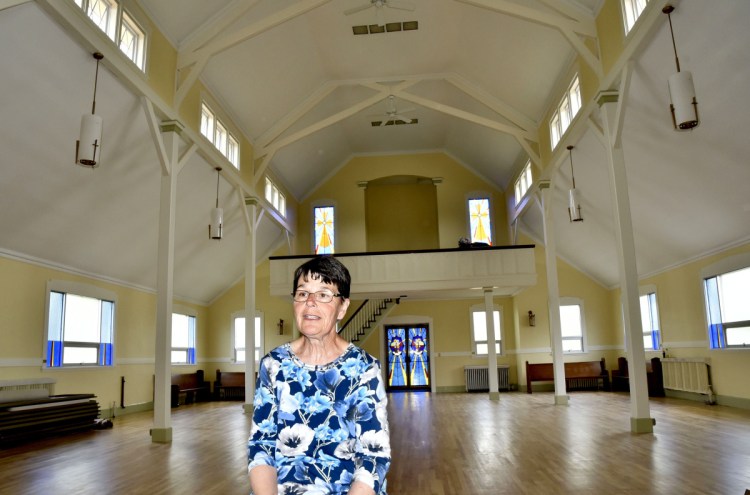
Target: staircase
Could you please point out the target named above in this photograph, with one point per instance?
(367, 318)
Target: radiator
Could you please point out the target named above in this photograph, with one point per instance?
(688, 375)
(32, 388)
(583, 383)
(477, 378)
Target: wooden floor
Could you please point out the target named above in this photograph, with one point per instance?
(442, 444)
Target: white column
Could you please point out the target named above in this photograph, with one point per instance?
(640, 421)
(250, 250)
(553, 296)
(162, 430)
(489, 320)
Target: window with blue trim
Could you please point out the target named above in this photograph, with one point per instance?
(650, 322)
(728, 309)
(80, 326)
(183, 339)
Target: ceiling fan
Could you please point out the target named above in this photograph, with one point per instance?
(379, 4)
(392, 115)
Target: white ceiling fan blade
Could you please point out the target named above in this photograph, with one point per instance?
(394, 4)
(406, 120)
(354, 10)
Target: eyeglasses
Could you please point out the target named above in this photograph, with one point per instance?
(322, 296)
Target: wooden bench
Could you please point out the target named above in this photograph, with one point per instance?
(229, 385)
(593, 371)
(654, 377)
(191, 386)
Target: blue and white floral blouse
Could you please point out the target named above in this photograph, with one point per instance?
(321, 427)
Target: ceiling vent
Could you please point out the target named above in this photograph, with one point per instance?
(391, 27)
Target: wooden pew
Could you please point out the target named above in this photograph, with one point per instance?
(654, 377)
(229, 385)
(192, 386)
(585, 370)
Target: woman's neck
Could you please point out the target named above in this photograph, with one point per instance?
(319, 351)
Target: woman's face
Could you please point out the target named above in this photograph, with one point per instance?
(318, 319)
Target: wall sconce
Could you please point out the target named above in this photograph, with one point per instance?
(532, 319)
(574, 206)
(88, 147)
(683, 105)
(216, 227)
(280, 324)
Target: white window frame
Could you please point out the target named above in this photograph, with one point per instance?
(274, 196)
(648, 325)
(479, 310)
(574, 301)
(84, 290)
(118, 20)
(191, 337)
(565, 112)
(480, 196)
(218, 134)
(259, 334)
(631, 12)
(524, 182)
(728, 265)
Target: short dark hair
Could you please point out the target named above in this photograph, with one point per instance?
(329, 270)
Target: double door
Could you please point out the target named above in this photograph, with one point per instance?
(408, 357)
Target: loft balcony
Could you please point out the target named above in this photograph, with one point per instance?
(425, 274)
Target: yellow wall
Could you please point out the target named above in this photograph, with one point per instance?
(22, 333)
(609, 27)
(349, 199)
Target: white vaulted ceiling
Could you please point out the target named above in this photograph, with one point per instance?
(478, 75)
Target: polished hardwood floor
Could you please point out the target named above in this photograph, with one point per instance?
(442, 444)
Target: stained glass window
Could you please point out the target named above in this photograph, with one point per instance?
(396, 357)
(408, 357)
(419, 373)
(479, 220)
(324, 230)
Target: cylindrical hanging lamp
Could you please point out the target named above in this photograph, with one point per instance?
(574, 201)
(683, 103)
(216, 227)
(88, 147)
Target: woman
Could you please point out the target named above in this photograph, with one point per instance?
(320, 424)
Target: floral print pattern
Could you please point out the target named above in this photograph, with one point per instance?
(321, 427)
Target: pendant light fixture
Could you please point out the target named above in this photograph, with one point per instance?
(88, 147)
(574, 202)
(216, 227)
(683, 105)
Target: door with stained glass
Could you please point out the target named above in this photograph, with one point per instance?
(408, 357)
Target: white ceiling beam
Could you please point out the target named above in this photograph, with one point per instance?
(192, 62)
(216, 25)
(498, 106)
(585, 27)
(6, 4)
(587, 55)
(574, 11)
(571, 29)
(468, 116)
(153, 127)
(268, 153)
(297, 113)
(218, 45)
(622, 103)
